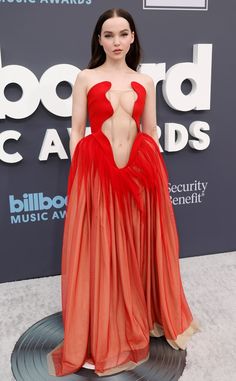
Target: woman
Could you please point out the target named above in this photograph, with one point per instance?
(121, 279)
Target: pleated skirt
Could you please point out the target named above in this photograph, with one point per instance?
(120, 273)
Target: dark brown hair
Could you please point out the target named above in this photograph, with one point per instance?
(98, 56)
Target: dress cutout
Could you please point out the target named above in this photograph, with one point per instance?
(120, 273)
(122, 103)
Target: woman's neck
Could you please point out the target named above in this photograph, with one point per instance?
(115, 66)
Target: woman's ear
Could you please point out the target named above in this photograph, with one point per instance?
(99, 39)
(132, 33)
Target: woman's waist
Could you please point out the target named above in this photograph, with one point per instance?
(120, 134)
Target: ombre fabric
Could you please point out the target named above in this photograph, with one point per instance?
(121, 280)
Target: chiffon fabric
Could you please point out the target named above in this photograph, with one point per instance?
(120, 273)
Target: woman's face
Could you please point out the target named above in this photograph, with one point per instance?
(116, 37)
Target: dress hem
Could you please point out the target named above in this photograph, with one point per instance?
(182, 339)
(180, 342)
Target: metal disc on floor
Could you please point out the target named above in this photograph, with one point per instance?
(29, 362)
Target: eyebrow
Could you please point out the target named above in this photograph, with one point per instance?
(108, 31)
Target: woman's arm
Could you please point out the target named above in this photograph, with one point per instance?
(148, 120)
(79, 111)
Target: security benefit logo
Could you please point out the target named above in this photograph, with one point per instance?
(198, 5)
(188, 193)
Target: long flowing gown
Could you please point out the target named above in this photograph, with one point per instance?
(120, 273)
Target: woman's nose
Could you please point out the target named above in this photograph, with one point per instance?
(116, 41)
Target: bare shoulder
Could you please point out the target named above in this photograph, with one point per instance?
(81, 79)
(85, 77)
(146, 80)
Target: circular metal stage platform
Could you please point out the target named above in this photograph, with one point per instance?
(29, 362)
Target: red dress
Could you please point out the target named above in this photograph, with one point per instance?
(121, 280)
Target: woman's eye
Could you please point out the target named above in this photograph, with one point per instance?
(124, 34)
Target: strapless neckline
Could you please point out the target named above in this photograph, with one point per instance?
(110, 83)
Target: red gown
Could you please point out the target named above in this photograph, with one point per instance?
(120, 275)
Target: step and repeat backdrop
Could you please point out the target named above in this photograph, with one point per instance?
(188, 49)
